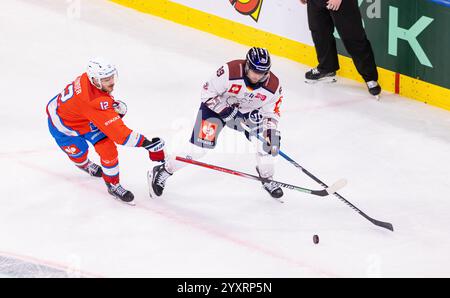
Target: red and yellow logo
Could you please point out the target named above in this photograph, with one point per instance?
(235, 88)
(208, 131)
(250, 8)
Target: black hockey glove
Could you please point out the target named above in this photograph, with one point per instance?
(230, 113)
(155, 149)
(272, 142)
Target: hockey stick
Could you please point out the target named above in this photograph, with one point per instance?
(324, 192)
(379, 223)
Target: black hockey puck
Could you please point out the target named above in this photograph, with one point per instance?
(315, 239)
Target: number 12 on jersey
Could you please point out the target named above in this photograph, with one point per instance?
(104, 105)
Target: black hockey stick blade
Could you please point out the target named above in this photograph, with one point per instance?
(382, 224)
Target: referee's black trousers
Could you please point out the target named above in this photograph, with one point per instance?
(348, 23)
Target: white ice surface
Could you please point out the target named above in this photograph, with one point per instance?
(394, 153)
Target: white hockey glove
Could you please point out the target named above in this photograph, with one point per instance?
(120, 107)
(272, 142)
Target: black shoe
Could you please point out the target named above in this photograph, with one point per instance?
(270, 186)
(120, 193)
(374, 88)
(92, 169)
(315, 75)
(157, 178)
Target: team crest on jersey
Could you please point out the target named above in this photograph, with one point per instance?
(208, 131)
(255, 117)
(261, 96)
(71, 149)
(235, 88)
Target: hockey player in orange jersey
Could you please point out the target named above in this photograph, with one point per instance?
(86, 111)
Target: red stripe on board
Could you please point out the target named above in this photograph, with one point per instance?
(397, 83)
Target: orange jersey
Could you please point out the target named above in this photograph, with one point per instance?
(81, 104)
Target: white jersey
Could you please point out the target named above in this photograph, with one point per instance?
(227, 87)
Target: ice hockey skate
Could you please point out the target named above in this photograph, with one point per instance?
(315, 75)
(374, 89)
(92, 169)
(121, 193)
(157, 180)
(270, 186)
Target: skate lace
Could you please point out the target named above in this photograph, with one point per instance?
(118, 189)
(162, 177)
(271, 186)
(92, 168)
(315, 71)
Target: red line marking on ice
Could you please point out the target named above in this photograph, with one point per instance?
(203, 228)
(247, 244)
(68, 178)
(22, 152)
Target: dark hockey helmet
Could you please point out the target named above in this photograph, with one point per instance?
(258, 60)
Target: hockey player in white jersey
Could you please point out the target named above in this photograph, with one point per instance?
(241, 90)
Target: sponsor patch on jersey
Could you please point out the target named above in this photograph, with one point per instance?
(78, 85)
(110, 162)
(208, 131)
(206, 86)
(72, 149)
(235, 88)
(112, 120)
(260, 96)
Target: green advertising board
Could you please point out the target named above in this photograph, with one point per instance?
(411, 37)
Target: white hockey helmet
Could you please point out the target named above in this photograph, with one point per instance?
(99, 68)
